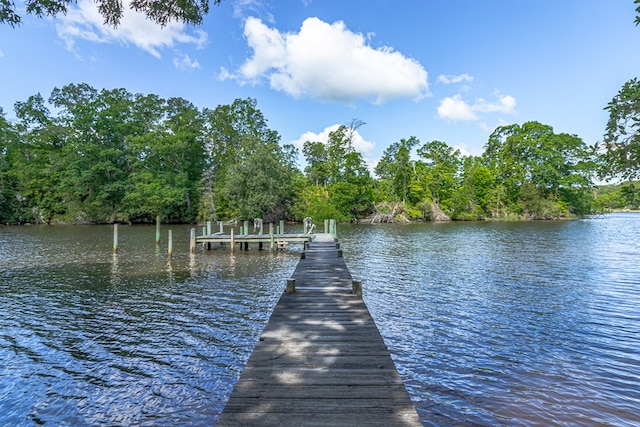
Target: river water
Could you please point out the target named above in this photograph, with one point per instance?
(511, 323)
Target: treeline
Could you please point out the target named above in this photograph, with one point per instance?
(623, 196)
(112, 156)
(108, 156)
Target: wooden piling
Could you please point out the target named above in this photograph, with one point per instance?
(232, 241)
(271, 236)
(157, 229)
(115, 237)
(170, 244)
(192, 241)
(356, 287)
(291, 286)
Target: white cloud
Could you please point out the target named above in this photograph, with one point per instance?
(184, 62)
(455, 109)
(86, 23)
(449, 79)
(504, 104)
(329, 62)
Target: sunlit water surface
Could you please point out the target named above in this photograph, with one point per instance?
(532, 323)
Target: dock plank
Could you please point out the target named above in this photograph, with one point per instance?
(320, 360)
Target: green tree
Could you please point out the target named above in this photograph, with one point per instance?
(339, 168)
(544, 174)
(9, 199)
(98, 128)
(245, 161)
(475, 195)
(315, 153)
(396, 167)
(37, 164)
(622, 139)
(314, 201)
(259, 184)
(630, 194)
(441, 173)
(160, 12)
(167, 163)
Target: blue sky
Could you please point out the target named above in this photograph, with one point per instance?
(447, 70)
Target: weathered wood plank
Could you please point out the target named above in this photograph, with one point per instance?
(320, 359)
(265, 418)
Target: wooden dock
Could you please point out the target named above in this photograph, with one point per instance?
(320, 360)
(273, 241)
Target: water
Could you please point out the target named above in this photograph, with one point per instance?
(92, 338)
(531, 323)
(510, 323)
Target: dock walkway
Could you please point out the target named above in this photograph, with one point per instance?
(320, 360)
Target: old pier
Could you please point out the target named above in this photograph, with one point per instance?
(320, 360)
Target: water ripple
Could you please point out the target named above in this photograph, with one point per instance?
(490, 324)
(509, 324)
(127, 339)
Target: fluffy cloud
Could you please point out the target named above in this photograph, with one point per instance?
(455, 79)
(455, 109)
(184, 62)
(86, 23)
(329, 62)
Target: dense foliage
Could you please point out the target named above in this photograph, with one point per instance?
(88, 155)
(622, 140)
(110, 155)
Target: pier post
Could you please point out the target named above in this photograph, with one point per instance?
(291, 286)
(326, 226)
(272, 240)
(357, 287)
(232, 242)
(209, 231)
(281, 226)
(192, 241)
(170, 244)
(157, 229)
(115, 237)
(246, 228)
(221, 227)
